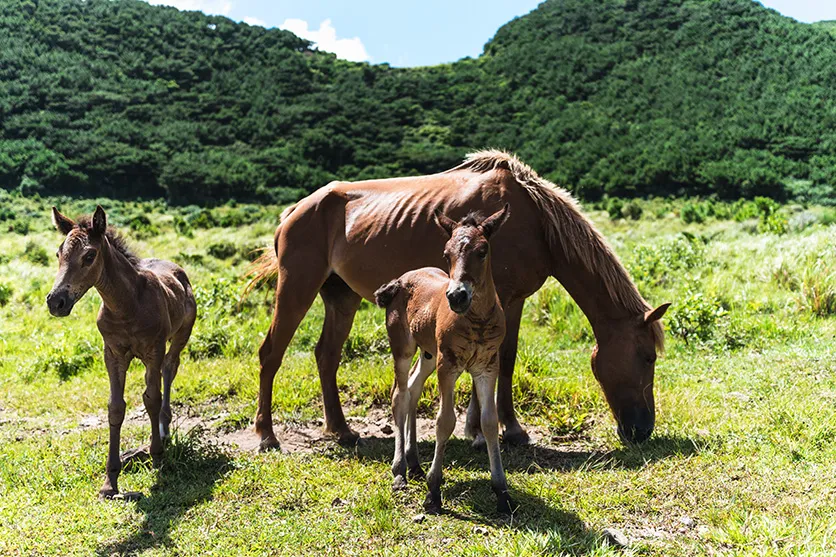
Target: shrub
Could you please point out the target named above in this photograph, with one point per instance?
(632, 210)
(19, 226)
(142, 227)
(36, 254)
(614, 206)
(817, 288)
(222, 250)
(652, 264)
(5, 294)
(183, 228)
(692, 213)
(68, 366)
(695, 318)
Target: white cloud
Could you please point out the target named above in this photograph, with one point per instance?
(325, 38)
(255, 21)
(221, 7)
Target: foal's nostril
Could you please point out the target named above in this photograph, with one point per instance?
(61, 303)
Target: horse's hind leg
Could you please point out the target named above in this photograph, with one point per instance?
(171, 363)
(301, 276)
(485, 387)
(341, 304)
(444, 425)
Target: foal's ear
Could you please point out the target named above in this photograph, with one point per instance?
(99, 221)
(491, 224)
(655, 314)
(61, 223)
(444, 222)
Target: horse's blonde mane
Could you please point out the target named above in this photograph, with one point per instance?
(569, 230)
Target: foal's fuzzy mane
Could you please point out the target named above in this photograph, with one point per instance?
(569, 230)
(116, 240)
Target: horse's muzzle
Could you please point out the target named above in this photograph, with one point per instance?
(459, 297)
(60, 303)
(636, 426)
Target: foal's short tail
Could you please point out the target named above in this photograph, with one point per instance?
(384, 295)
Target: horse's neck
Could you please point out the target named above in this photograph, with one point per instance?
(590, 293)
(117, 284)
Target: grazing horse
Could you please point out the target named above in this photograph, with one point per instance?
(457, 321)
(145, 304)
(346, 239)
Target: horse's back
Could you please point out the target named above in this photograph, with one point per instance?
(371, 232)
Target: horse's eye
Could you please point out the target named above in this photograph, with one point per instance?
(89, 257)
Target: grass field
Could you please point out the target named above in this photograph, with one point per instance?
(743, 460)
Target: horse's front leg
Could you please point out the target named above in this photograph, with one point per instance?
(444, 425)
(485, 385)
(117, 367)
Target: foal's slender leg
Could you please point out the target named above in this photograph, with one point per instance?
(400, 409)
(300, 278)
(153, 398)
(485, 386)
(117, 368)
(514, 432)
(417, 377)
(444, 425)
(171, 363)
(341, 304)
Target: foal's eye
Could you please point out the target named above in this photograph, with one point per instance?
(89, 257)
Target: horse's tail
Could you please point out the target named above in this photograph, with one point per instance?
(266, 266)
(384, 295)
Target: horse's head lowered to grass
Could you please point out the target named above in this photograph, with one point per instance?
(80, 261)
(624, 363)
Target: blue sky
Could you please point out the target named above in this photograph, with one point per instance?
(409, 32)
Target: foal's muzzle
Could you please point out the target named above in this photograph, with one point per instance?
(60, 303)
(459, 296)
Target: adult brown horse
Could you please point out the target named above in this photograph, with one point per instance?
(346, 239)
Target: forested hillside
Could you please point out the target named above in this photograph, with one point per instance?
(643, 97)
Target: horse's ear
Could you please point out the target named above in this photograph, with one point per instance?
(655, 314)
(99, 221)
(491, 224)
(61, 223)
(444, 222)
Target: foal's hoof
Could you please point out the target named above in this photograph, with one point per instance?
(133, 457)
(516, 437)
(399, 483)
(432, 503)
(269, 444)
(416, 473)
(505, 505)
(479, 442)
(113, 495)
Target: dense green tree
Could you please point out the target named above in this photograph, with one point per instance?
(606, 97)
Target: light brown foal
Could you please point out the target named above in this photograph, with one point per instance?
(145, 304)
(458, 323)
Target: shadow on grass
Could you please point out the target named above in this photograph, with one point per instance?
(562, 531)
(536, 458)
(190, 470)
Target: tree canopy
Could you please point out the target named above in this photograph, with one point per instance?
(605, 97)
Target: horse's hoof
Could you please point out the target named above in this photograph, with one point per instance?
(347, 437)
(269, 444)
(471, 431)
(399, 483)
(432, 503)
(516, 437)
(506, 505)
(107, 493)
(416, 473)
(479, 443)
(132, 457)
